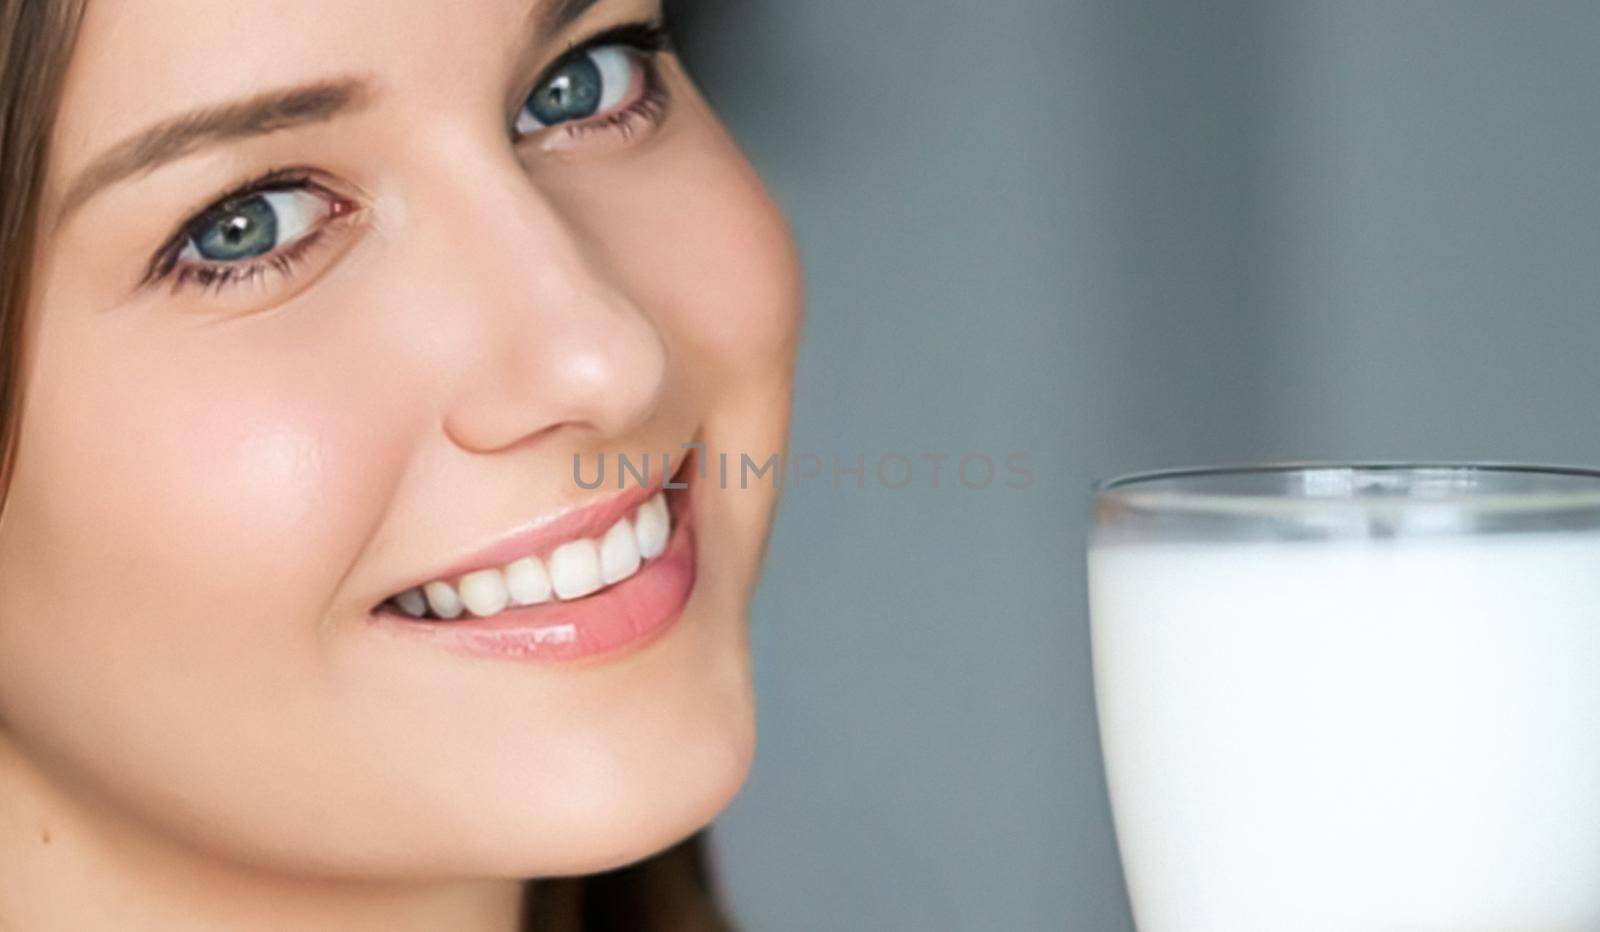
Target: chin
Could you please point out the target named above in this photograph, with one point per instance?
(641, 783)
(653, 815)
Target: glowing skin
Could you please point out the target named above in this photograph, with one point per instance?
(202, 725)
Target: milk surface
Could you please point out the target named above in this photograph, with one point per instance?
(1352, 736)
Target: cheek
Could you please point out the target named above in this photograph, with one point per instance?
(211, 468)
(735, 283)
(706, 252)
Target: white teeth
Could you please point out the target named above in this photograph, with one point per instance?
(484, 593)
(443, 600)
(619, 553)
(412, 602)
(528, 582)
(575, 569)
(651, 527)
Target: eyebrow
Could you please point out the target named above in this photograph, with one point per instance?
(557, 15)
(258, 115)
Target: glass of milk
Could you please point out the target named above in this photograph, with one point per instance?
(1345, 698)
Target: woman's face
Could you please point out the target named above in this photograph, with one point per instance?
(459, 260)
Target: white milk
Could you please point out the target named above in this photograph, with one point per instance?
(1353, 736)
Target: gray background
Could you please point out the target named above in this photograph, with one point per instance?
(1114, 235)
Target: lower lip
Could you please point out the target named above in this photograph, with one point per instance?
(614, 621)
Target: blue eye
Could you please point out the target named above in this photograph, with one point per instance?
(253, 226)
(595, 83)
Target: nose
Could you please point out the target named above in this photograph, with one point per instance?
(547, 339)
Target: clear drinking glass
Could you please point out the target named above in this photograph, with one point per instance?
(1341, 698)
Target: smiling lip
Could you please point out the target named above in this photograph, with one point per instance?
(619, 618)
(541, 535)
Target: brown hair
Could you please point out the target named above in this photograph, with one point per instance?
(36, 38)
(671, 892)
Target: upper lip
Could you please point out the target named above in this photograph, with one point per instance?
(535, 537)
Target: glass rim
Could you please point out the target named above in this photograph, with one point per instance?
(1142, 489)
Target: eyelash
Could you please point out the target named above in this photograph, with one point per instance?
(645, 39)
(647, 110)
(216, 277)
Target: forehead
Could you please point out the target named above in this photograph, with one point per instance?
(140, 61)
